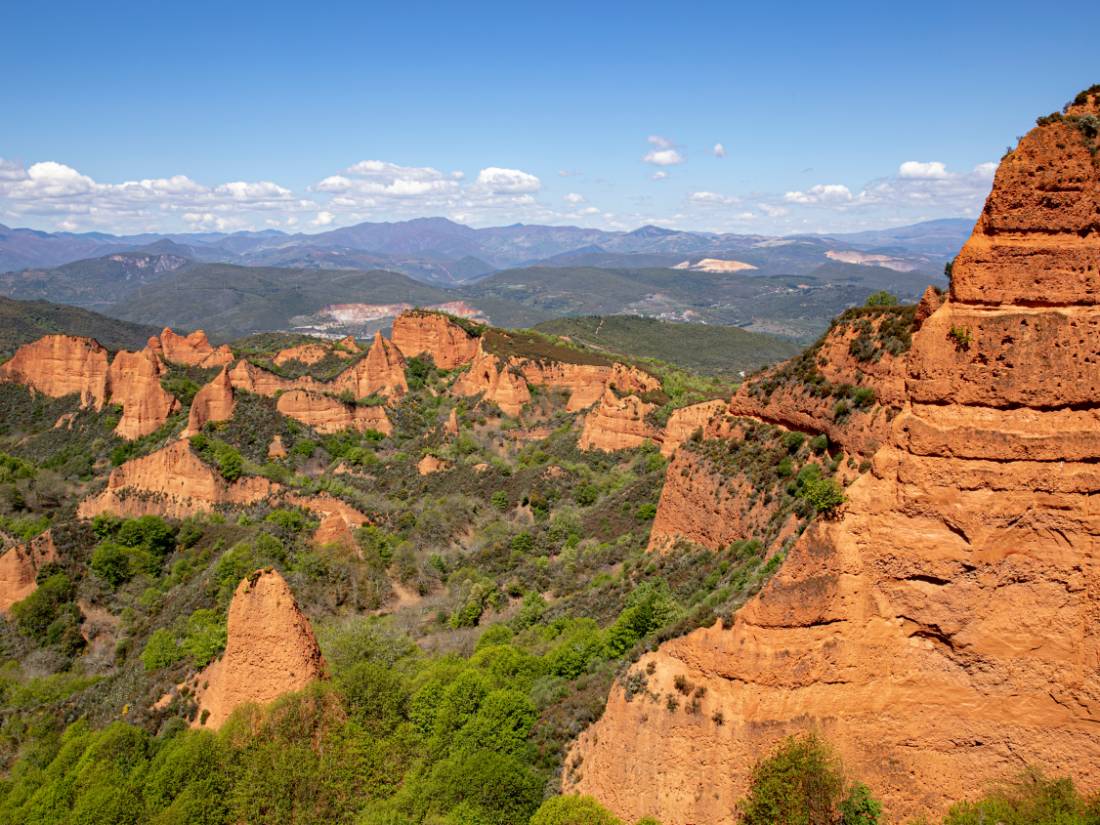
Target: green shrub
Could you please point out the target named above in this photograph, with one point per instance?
(50, 616)
(161, 650)
(800, 784)
(882, 298)
(573, 810)
(1032, 799)
(205, 637)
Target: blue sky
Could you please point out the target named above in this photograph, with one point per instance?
(128, 117)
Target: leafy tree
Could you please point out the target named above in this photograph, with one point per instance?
(1032, 799)
(161, 650)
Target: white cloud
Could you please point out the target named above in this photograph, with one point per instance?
(773, 211)
(660, 142)
(390, 180)
(659, 175)
(663, 157)
(986, 170)
(932, 170)
(241, 190)
(719, 150)
(324, 218)
(822, 193)
(573, 197)
(713, 199)
(10, 170)
(501, 181)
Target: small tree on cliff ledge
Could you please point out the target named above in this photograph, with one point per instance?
(802, 783)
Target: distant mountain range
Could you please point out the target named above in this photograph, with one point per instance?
(440, 251)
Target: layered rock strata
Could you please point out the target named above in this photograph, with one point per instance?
(941, 631)
(192, 350)
(431, 333)
(618, 424)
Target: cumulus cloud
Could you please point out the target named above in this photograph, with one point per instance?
(663, 153)
(507, 181)
(719, 150)
(390, 180)
(931, 170)
(324, 218)
(713, 199)
(573, 197)
(822, 193)
(75, 200)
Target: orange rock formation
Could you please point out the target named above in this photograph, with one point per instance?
(133, 382)
(382, 372)
(213, 403)
(171, 482)
(618, 424)
(331, 415)
(60, 365)
(270, 650)
(686, 420)
(19, 566)
(193, 350)
(417, 332)
(495, 381)
(941, 631)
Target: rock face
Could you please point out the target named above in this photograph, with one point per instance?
(19, 566)
(805, 394)
(618, 424)
(417, 332)
(305, 354)
(193, 350)
(213, 403)
(940, 632)
(586, 383)
(60, 365)
(270, 650)
(430, 464)
(250, 378)
(381, 372)
(494, 381)
(171, 482)
(134, 383)
(331, 415)
(685, 421)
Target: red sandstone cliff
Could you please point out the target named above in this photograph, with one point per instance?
(193, 350)
(19, 566)
(381, 372)
(941, 631)
(213, 403)
(494, 380)
(60, 365)
(417, 332)
(171, 482)
(134, 383)
(618, 424)
(270, 650)
(331, 415)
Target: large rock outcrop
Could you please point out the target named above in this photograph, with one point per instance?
(192, 350)
(418, 332)
(942, 630)
(618, 424)
(586, 383)
(214, 402)
(331, 415)
(134, 383)
(685, 421)
(60, 365)
(19, 566)
(172, 482)
(381, 372)
(494, 380)
(270, 650)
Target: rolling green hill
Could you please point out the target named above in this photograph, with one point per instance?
(713, 350)
(232, 301)
(24, 321)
